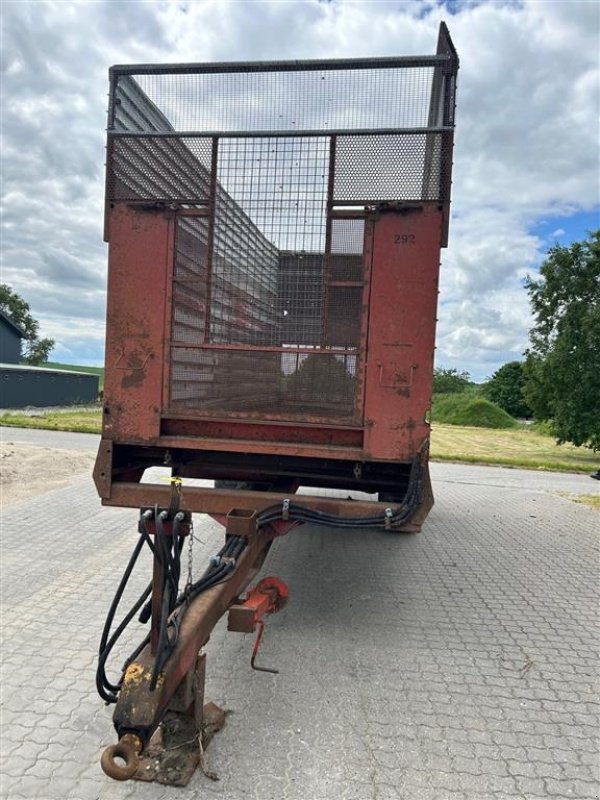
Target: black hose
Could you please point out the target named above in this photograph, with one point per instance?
(106, 689)
(298, 513)
(167, 550)
(171, 620)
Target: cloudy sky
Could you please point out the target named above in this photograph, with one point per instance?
(526, 157)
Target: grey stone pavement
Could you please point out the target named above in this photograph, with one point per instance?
(459, 664)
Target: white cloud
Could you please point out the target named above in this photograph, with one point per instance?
(526, 144)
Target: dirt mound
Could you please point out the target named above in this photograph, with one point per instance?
(27, 470)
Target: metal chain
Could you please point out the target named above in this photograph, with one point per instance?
(190, 557)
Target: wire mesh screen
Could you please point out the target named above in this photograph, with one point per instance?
(190, 280)
(268, 282)
(320, 99)
(410, 167)
(264, 384)
(346, 249)
(154, 168)
(281, 186)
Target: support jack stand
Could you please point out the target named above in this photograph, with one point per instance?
(178, 746)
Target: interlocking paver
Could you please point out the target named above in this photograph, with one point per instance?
(460, 664)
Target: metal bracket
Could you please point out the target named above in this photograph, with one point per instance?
(241, 522)
(267, 597)
(147, 521)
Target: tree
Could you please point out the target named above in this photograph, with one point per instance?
(563, 362)
(450, 381)
(505, 389)
(36, 350)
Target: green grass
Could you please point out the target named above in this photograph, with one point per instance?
(515, 447)
(464, 409)
(72, 420)
(74, 368)
(518, 447)
(591, 500)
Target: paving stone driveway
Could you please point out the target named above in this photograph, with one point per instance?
(460, 663)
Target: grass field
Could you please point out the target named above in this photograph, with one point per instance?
(76, 421)
(520, 447)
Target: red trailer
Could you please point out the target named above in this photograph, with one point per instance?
(274, 236)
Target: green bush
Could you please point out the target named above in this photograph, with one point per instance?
(545, 427)
(505, 389)
(473, 390)
(450, 381)
(459, 409)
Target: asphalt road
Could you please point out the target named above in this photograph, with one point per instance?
(459, 663)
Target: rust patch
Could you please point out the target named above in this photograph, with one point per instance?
(132, 380)
(135, 367)
(136, 674)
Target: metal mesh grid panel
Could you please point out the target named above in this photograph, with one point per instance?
(191, 248)
(243, 279)
(153, 168)
(347, 236)
(300, 298)
(386, 167)
(220, 380)
(346, 250)
(317, 99)
(190, 281)
(343, 316)
(264, 384)
(405, 97)
(281, 186)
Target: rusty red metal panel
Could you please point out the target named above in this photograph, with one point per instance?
(140, 252)
(267, 447)
(402, 318)
(364, 322)
(228, 429)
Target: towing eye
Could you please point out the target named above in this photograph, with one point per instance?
(128, 750)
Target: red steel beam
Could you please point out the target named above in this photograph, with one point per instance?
(221, 501)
